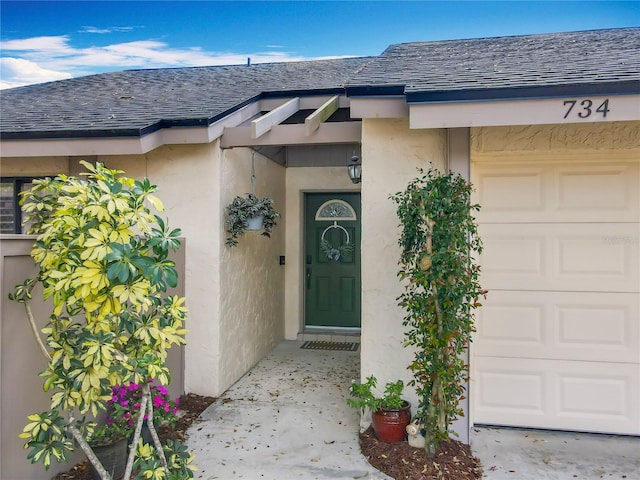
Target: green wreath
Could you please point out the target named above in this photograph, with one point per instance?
(335, 253)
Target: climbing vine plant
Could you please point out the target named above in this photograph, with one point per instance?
(438, 241)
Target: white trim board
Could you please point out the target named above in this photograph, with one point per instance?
(525, 112)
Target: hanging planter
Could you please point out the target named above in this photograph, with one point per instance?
(242, 213)
(250, 213)
(255, 223)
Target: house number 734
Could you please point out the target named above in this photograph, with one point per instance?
(586, 108)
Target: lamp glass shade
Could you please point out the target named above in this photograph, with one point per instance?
(355, 172)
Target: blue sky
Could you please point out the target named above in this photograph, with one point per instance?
(51, 40)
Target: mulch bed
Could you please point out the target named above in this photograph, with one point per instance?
(192, 406)
(401, 461)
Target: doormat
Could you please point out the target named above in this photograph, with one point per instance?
(344, 346)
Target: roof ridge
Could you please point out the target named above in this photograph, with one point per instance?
(518, 36)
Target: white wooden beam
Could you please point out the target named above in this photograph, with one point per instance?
(263, 124)
(313, 121)
(327, 133)
(306, 103)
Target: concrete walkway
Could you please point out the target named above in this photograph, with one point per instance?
(288, 419)
(285, 419)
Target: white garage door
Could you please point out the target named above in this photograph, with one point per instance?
(558, 339)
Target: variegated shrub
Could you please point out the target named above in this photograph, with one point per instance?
(103, 259)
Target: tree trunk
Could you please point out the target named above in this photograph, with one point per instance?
(104, 475)
(436, 417)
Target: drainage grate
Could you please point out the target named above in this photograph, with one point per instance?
(345, 346)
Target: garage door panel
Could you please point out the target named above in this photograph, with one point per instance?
(596, 189)
(562, 192)
(524, 187)
(558, 338)
(591, 396)
(565, 257)
(559, 325)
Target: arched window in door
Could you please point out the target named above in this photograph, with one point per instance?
(335, 210)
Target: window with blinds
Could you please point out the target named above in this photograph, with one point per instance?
(10, 212)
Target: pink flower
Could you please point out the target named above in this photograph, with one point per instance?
(163, 390)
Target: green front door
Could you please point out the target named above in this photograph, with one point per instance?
(332, 260)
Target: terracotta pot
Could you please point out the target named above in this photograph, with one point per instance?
(390, 424)
(113, 457)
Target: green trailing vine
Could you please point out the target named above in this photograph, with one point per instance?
(438, 240)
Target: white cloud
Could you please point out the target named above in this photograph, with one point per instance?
(90, 29)
(36, 44)
(41, 59)
(15, 72)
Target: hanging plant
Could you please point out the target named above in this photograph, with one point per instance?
(242, 209)
(438, 240)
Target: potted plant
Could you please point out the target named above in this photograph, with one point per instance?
(102, 258)
(124, 407)
(390, 414)
(109, 444)
(249, 213)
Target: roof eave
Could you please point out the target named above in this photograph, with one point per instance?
(630, 87)
(161, 124)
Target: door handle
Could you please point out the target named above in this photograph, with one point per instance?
(308, 278)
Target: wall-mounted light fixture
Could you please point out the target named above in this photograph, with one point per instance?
(354, 167)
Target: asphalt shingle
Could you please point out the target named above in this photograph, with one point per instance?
(571, 58)
(128, 102)
(135, 102)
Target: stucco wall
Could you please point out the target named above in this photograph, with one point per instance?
(251, 278)
(32, 167)
(391, 154)
(569, 140)
(188, 179)
(301, 180)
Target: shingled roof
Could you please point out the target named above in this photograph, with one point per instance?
(587, 62)
(136, 102)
